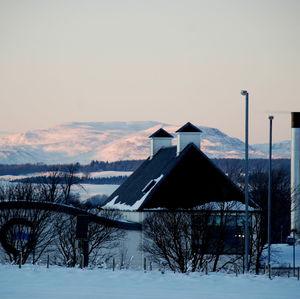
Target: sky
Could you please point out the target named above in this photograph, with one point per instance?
(169, 61)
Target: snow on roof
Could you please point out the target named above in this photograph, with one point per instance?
(113, 204)
(191, 176)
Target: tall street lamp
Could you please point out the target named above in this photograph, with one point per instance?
(270, 193)
(246, 266)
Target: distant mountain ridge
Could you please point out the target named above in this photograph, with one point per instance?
(279, 149)
(111, 141)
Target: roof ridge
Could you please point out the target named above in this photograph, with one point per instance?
(188, 127)
(161, 133)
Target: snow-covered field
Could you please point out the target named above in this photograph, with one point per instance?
(85, 190)
(106, 174)
(94, 174)
(38, 282)
(89, 190)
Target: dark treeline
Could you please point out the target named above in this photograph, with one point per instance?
(131, 165)
(126, 165)
(116, 180)
(254, 164)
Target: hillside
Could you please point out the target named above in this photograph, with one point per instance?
(112, 141)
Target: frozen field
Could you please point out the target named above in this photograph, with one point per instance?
(89, 190)
(95, 174)
(85, 190)
(38, 282)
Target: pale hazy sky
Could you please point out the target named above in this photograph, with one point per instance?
(170, 61)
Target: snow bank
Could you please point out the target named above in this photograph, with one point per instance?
(36, 282)
(282, 255)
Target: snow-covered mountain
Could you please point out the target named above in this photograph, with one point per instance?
(111, 141)
(279, 150)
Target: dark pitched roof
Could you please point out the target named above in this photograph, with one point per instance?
(169, 181)
(161, 133)
(188, 127)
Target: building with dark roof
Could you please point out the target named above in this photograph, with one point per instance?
(175, 177)
(181, 178)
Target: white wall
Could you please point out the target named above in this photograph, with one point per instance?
(157, 143)
(133, 241)
(184, 138)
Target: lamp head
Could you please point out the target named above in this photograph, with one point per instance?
(244, 92)
(271, 117)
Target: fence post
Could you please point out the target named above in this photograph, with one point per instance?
(33, 257)
(298, 273)
(150, 267)
(81, 261)
(162, 268)
(48, 261)
(145, 265)
(114, 264)
(206, 268)
(20, 260)
(269, 271)
(236, 270)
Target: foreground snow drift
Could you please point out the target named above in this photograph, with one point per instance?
(36, 282)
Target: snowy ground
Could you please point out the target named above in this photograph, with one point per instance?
(105, 174)
(38, 282)
(282, 255)
(89, 190)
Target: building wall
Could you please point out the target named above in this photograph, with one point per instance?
(134, 239)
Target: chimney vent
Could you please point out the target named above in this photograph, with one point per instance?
(160, 139)
(187, 134)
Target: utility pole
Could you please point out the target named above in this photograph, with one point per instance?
(247, 237)
(270, 192)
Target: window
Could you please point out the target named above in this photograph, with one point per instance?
(149, 186)
(214, 233)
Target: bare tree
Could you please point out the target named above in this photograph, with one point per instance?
(68, 180)
(180, 239)
(101, 239)
(50, 189)
(58, 186)
(280, 212)
(281, 203)
(189, 240)
(27, 231)
(168, 238)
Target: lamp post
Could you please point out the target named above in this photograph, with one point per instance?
(246, 266)
(270, 192)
